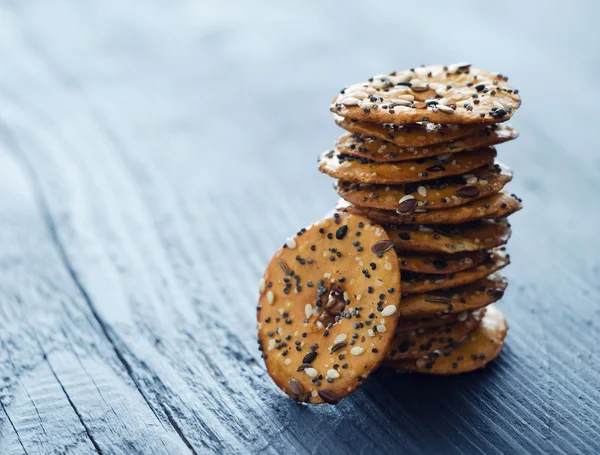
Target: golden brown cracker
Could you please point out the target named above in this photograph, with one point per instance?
(418, 283)
(316, 295)
(436, 194)
(470, 297)
(358, 170)
(380, 151)
(450, 239)
(411, 261)
(405, 325)
(409, 135)
(496, 206)
(417, 343)
(480, 347)
(438, 94)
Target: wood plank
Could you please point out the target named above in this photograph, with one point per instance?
(64, 389)
(164, 199)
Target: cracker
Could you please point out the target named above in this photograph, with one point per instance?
(328, 308)
(417, 343)
(405, 325)
(497, 206)
(380, 151)
(410, 135)
(441, 193)
(359, 170)
(438, 94)
(470, 297)
(480, 347)
(450, 239)
(440, 263)
(418, 283)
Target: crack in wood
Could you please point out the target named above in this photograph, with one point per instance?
(13, 427)
(79, 416)
(106, 331)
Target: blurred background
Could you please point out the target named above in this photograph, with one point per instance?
(186, 133)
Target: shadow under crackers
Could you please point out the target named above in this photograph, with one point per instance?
(422, 413)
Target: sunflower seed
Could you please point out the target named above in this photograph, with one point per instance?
(308, 358)
(406, 206)
(283, 266)
(341, 232)
(382, 246)
(295, 387)
(468, 191)
(337, 346)
(329, 397)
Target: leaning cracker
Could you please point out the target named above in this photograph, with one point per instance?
(328, 308)
(418, 283)
(456, 300)
(479, 348)
(413, 344)
(441, 193)
(409, 135)
(497, 206)
(438, 94)
(358, 170)
(450, 239)
(381, 151)
(440, 263)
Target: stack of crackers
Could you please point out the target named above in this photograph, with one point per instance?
(405, 272)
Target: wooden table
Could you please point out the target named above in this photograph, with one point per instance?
(153, 155)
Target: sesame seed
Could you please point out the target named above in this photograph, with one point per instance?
(388, 310)
(308, 309)
(333, 374)
(351, 102)
(357, 350)
(445, 109)
(311, 372)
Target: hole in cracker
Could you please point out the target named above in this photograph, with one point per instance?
(333, 307)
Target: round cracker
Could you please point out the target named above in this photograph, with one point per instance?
(418, 283)
(496, 206)
(328, 308)
(417, 343)
(470, 297)
(358, 170)
(440, 263)
(405, 325)
(458, 96)
(441, 193)
(450, 239)
(374, 149)
(480, 347)
(410, 135)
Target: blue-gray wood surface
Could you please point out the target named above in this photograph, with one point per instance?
(153, 155)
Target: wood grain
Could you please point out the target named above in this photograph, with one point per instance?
(153, 156)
